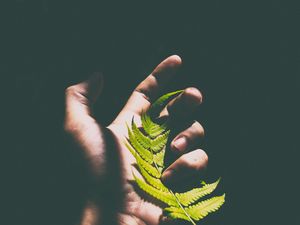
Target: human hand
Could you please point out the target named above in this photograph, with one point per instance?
(112, 198)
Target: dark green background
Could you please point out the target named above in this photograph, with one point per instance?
(242, 55)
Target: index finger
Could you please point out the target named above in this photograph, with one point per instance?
(149, 89)
(152, 86)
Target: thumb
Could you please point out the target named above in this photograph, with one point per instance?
(81, 96)
(93, 87)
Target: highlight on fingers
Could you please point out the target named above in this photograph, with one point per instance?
(185, 166)
(149, 89)
(153, 85)
(188, 139)
(184, 104)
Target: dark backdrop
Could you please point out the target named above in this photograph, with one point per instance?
(242, 55)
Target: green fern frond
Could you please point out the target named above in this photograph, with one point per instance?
(147, 123)
(158, 158)
(145, 141)
(165, 197)
(149, 148)
(151, 128)
(130, 148)
(153, 181)
(157, 130)
(201, 209)
(160, 141)
(161, 102)
(176, 215)
(144, 153)
(155, 144)
(142, 163)
(148, 167)
(195, 194)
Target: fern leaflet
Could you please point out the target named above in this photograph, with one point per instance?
(195, 194)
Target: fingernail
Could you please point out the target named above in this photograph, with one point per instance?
(180, 144)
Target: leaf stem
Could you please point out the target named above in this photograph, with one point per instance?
(185, 212)
(155, 164)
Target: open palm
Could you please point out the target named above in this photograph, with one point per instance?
(103, 147)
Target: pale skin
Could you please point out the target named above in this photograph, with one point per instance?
(103, 146)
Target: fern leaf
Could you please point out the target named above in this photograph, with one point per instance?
(153, 181)
(195, 194)
(148, 167)
(151, 128)
(176, 215)
(145, 141)
(161, 102)
(153, 144)
(129, 147)
(199, 210)
(146, 122)
(165, 197)
(149, 151)
(159, 142)
(158, 158)
(144, 153)
(157, 129)
(203, 208)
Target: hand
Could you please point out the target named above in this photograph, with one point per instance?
(112, 199)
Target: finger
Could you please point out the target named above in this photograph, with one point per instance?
(154, 83)
(183, 105)
(188, 139)
(80, 97)
(149, 89)
(186, 165)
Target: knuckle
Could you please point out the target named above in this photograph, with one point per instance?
(76, 92)
(148, 87)
(194, 134)
(196, 160)
(186, 162)
(70, 90)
